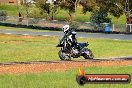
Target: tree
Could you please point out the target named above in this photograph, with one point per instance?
(88, 5)
(71, 6)
(100, 9)
(27, 3)
(126, 6)
(47, 7)
(116, 7)
(100, 16)
(19, 10)
(110, 7)
(44, 7)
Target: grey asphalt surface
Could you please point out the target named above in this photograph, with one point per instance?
(79, 34)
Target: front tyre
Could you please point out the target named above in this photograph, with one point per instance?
(63, 55)
(88, 55)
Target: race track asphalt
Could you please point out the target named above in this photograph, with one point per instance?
(79, 34)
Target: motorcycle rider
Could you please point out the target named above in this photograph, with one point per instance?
(70, 47)
(69, 35)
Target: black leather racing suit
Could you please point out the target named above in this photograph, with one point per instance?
(70, 38)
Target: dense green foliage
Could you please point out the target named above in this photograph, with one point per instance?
(97, 7)
(100, 17)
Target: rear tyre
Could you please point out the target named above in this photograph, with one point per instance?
(89, 55)
(63, 55)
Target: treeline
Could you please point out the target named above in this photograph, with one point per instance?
(99, 8)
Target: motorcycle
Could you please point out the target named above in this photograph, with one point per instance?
(78, 49)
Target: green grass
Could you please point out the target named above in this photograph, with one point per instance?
(10, 9)
(21, 48)
(25, 49)
(22, 29)
(65, 79)
(110, 48)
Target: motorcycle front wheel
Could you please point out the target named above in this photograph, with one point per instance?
(88, 55)
(63, 55)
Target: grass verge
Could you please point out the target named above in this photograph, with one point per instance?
(22, 29)
(36, 48)
(61, 79)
